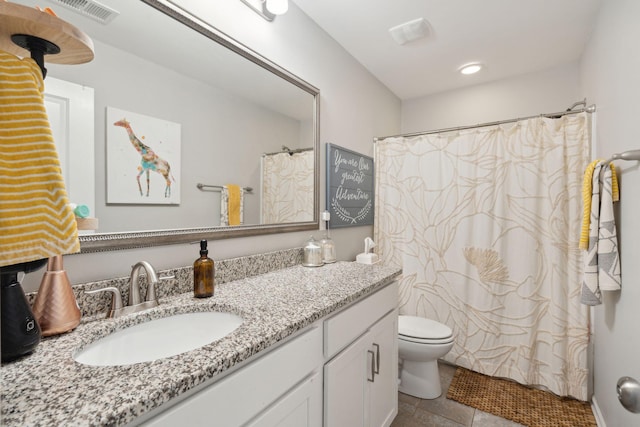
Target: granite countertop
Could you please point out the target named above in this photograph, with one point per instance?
(50, 388)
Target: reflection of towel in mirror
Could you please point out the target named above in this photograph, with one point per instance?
(231, 205)
(36, 221)
(602, 261)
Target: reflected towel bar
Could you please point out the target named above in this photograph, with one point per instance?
(219, 187)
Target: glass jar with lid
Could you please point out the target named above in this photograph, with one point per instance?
(312, 253)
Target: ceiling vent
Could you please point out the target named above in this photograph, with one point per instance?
(410, 31)
(91, 9)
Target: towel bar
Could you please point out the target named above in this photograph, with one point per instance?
(625, 155)
(219, 187)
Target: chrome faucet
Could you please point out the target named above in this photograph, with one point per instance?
(135, 300)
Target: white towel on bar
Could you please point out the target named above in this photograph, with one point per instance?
(602, 261)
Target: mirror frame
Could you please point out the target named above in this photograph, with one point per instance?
(101, 242)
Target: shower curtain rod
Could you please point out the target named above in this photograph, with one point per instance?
(589, 109)
(291, 152)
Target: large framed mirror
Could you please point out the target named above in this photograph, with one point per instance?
(233, 116)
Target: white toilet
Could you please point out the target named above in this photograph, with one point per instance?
(421, 342)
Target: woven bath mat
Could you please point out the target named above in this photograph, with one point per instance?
(515, 402)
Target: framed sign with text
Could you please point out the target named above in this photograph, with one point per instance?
(349, 187)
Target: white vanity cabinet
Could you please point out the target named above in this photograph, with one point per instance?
(361, 386)
(281, 387)
(340, 371)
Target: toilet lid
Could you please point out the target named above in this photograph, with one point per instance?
(423, 329)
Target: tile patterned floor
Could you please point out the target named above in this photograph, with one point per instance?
(442, 412)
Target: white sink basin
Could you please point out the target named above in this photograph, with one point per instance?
(159, 338)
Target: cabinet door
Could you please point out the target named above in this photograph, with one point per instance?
(237, 398)
(346, 386)
(302, 407)
(384, 389)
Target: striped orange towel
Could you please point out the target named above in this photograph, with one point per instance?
(586, 199)
(36, 220)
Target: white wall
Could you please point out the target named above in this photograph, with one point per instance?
(610, 78)
(355, 107)
(530, 94)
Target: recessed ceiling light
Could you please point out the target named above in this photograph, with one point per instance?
(470, 68)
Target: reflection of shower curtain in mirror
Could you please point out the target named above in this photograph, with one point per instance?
(287, 187)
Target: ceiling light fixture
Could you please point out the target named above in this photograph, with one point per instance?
(471, 68)
(268, 9)
(277, 7)
(410, 31)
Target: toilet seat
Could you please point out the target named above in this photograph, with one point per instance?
(425, 341)
(423, 331)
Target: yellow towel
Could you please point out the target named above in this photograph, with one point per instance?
(35, 218)
(234, 204)
(586, 199)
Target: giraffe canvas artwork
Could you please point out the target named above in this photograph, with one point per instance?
(143, 159)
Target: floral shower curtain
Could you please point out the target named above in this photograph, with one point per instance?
(485, 224)
(287, 187)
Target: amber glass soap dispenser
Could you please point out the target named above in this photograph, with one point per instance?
(203, 270)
